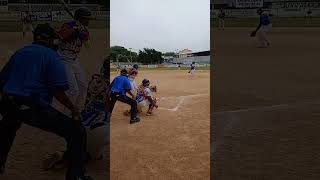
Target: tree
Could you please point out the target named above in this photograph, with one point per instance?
(150, 56)
(121, 54)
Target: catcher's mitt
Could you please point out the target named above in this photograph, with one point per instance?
(153, 88)
(253, 34)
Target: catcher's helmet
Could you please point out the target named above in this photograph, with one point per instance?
(44, 32)
(145, 82)
(82, 13)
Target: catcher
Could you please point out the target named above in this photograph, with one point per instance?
(145, 97)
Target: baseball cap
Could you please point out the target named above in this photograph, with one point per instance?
(45, 31)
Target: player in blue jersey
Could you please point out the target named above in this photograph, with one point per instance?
(263, 29)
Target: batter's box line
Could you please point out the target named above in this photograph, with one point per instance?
(186, 96)
(182, 98)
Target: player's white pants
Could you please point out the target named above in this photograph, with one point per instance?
(192, 72)
(27, 27)
(97, 139)
(143, 105)
(262, 35)
(77, 81)
(221, 23)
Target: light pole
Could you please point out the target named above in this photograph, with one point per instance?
(130, 54)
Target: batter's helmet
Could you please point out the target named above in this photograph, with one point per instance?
(135, 66)
(82, 13)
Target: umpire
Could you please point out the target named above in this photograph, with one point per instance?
(28, 83)
(120, 86)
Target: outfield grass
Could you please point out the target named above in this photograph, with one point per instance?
(16, 26)
(276, 22)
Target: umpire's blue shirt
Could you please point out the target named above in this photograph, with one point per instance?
(121, 84)
(34, 72)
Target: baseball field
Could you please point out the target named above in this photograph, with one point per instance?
(174, 142)
(266, 104)
(32, 145)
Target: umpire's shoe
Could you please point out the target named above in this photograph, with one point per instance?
(135, 120)
(2, 169)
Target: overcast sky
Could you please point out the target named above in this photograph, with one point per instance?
(165, 25)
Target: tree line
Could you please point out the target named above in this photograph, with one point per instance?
(145, 56)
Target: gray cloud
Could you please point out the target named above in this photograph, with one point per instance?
(165, 25)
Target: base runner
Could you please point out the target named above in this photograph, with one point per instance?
(192, 69)
(263, 29)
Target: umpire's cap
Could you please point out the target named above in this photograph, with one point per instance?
(83, 13)
(45, 31)
(124, 72)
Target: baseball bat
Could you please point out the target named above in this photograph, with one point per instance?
(66, 8)
(87, 43)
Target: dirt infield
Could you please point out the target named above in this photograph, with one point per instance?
(31, 144)
(172, 144)
(266, 107)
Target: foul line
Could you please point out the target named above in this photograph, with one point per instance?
(266, 108)
(182, 98)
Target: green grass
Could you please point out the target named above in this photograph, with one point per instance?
(276, 22)
(16, 26)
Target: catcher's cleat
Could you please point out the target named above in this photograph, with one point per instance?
(135, 120)
(52, 160)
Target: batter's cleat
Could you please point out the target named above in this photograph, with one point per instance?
(135, 120)
(51, 161)
(149, 114)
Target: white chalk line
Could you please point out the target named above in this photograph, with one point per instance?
(186, 96)
(266, 108)
(182, 98)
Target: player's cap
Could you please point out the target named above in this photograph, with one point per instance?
(145, 82)
(124, 72)
(45, 31)
(83, 13)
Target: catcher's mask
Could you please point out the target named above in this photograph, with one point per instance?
(145, 82)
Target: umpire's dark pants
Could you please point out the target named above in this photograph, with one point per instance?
(125, 99)
(47, 119)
